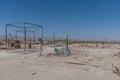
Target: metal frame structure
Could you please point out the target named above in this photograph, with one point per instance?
(25, 28)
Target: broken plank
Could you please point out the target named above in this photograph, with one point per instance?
(75, 63)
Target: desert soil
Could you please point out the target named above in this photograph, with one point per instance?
(89, 63)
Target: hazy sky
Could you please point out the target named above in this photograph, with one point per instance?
(81, 19)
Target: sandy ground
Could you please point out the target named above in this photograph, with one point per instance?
(95, 64)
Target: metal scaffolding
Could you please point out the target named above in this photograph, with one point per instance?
(27, 27)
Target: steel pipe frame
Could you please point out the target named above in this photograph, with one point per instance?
(25, 28)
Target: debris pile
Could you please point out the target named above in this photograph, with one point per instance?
(118, 54)
(116, 70)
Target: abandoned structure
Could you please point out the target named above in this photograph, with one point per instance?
(25, 28)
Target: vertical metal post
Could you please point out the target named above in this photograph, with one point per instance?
(67, 42)
(67, 51)
(41, 43)
(25, 37)
(54, 38)
(55, 50)
(6, 38)
(30, 43)
(42, 34)
(33, 39)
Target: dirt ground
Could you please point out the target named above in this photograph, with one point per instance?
(86, 63)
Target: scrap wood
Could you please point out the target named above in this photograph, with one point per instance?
(75, 63)
(116, 70)
(34, 73)
(80, 64)
(118, 54)
(95, 66)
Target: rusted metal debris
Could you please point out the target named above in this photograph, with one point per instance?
(116, 70)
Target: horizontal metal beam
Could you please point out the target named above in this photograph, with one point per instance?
(13, 23)
(14, 26)
(33, 27)
(26, 30)
(33, 24)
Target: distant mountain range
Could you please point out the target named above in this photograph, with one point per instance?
(3, 37)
